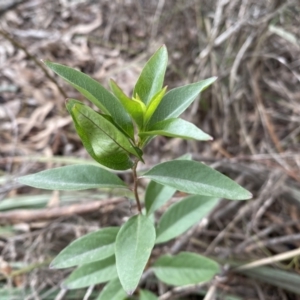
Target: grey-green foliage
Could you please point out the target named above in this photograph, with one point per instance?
(115, 136)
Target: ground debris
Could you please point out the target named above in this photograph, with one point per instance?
(252, 111)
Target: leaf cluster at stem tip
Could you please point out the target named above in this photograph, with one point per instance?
(115, 134)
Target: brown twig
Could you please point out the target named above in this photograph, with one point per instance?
(263, 233)
(37, 62)
(267, 123)
(270, 260)
(181, 291)
(25, 215)
(274, 241)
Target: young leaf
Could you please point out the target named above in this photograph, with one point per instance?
(104, 125)
(76, 177)
(196, 178)
(96, 93)
(152, 76)
(112, 291)
(183, 215)
(89, 248)
(92, 273)
(156, 196)
(177, 100)
(103, 141)
(151, 107)
(177, 128)
(146, 295)
(134, 107)
(133, 247)
(185, 268)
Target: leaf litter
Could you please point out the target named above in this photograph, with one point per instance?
(252, 111)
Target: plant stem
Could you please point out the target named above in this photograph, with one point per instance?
(135, 187)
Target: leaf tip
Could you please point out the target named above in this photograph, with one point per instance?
(46, 62)
(163, 47)
(246, 196)
(130, 293)
(111, 81)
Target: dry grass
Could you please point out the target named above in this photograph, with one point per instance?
(253, 112)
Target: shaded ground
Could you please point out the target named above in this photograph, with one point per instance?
(252, 111)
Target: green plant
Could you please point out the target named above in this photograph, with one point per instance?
(115, 138)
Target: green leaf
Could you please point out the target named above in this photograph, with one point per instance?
(133, 106)
(177, 128)
(112, 291)
(183, 215)
(92, 273)
(104, 125)
(112, 121)
(177, 100)
(96, 93)
(134, 244)
(146, 295)
(153, 105)
(196, 178)
(156, 196)
(89, 248)
(75, 177)
(103, 141)
(152, 76)
(185, 268)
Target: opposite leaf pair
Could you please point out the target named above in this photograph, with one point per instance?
(112, 253)
(123, 253)
(112, 137)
